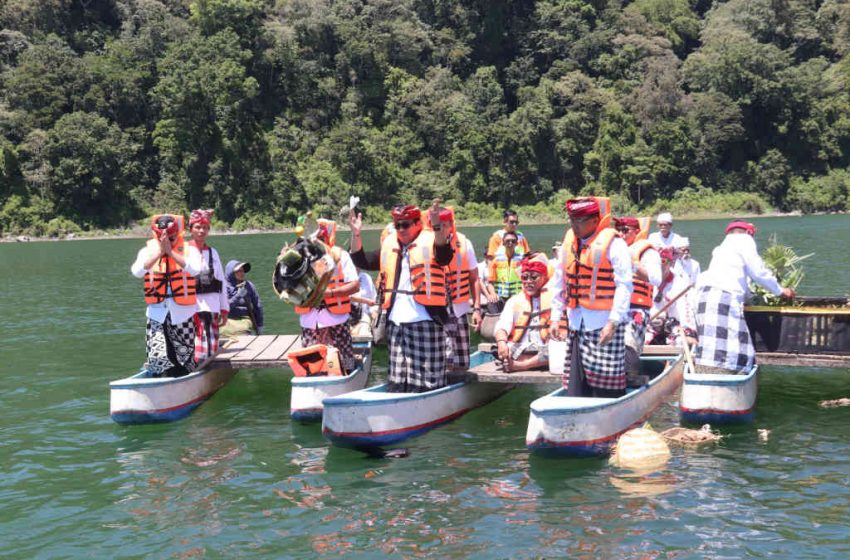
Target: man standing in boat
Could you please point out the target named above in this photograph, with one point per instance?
(213, 303)
(522, 332)
(414, 295)
(724, 341)
(169, 266)
(646, 277)
(665, 236)
(511, 223)
(594, 283)
(329, 323)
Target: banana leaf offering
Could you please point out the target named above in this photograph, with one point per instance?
(784, 262)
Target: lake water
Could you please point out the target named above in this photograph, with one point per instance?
(238, 479)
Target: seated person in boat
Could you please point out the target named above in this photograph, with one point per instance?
(213, 304)
(685, 263)
(646, 263)
(724, 341)
(169, 265)
(593, 285)
(522, 332)
(413, 283)
(511, 222)
(364, 308)
(246, 309)
(503, 275)
(329, 323)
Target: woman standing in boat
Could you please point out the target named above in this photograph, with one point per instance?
(724, 341)
(169, 266)
(213, 304)
(414, 295)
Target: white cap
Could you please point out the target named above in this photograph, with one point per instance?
(681, 243)
(665, 218)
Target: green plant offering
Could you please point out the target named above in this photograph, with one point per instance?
(783, 262)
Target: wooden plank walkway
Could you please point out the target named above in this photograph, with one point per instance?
(251, 352)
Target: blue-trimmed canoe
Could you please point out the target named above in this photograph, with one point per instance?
(374, 417)
(709, 398)
(561, 425)
(142, 399)
(309, 392)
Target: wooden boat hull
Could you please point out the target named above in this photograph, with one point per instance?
(561, 425)
(141, 399)
(374, 417)
(820, 325)
(309, 392)
(718, 399)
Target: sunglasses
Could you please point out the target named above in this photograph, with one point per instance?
(403, 225)
(625, 229)
(530, 277)
(509, 242)
(513, 222)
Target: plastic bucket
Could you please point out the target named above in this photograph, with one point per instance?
(557, 355)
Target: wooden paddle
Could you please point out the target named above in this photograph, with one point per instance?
(688, 356)
(669, 303)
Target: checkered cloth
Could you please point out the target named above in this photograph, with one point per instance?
(170, 348)
(457, 342)
(604, 366)
(338, 336)
(724, 340)
(417, 356)
(206, 335)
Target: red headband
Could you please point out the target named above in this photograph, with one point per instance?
(579, 207)
(666, 253)
(409, 212)
(165, 223)
(200, 216)
(746, 226)
(627, 222)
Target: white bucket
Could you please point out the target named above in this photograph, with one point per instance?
(557, 355)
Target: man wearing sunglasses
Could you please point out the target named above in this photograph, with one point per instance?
(647, 276)
(503, 275)
(411, 263)
(511, 222)
(594, 283)
(522, 332)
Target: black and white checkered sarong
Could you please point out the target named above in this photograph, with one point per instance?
(338, 336)
(604, 366)
(170, 348)
(457, 342)
(417, 356)
(724, 339)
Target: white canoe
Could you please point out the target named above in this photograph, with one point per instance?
(308, 392)
(562, 425)
(142, 399)
(709, 398)
(374, 417)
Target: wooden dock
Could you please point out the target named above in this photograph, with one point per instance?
(269, 351)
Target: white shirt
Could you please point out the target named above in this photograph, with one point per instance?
(214, 302)
(689, 267)
(506, 321)
(684, 307)
(462, 308)
(589, 319)
(483, 271)
(651, 261)
(367, 286)
(406, 309)
(322, 318)
(735, 260)
(159, 311)
(660, 242)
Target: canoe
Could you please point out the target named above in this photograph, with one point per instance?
(308, 392)
(709, 398)
(561, 425)
(816, 325)
(142, 399)
(374, 417)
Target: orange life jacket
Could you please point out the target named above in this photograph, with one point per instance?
(588, 273)
(318, 359)
(428, 279)
(458, 271)
(522, 312)
(642, 290)
(340, 305)
(643, 232)
(166, 273)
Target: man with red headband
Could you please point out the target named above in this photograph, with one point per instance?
(724, 341)
(522, 332)
(169, 266)
(329, 323)
(647, 276)
(213, 304)
(415, 298)
(593, 283)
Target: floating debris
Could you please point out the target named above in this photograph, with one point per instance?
(835, 403)
(640, 449)
(688, 437)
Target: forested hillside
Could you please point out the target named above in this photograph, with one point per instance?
(113, 109)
